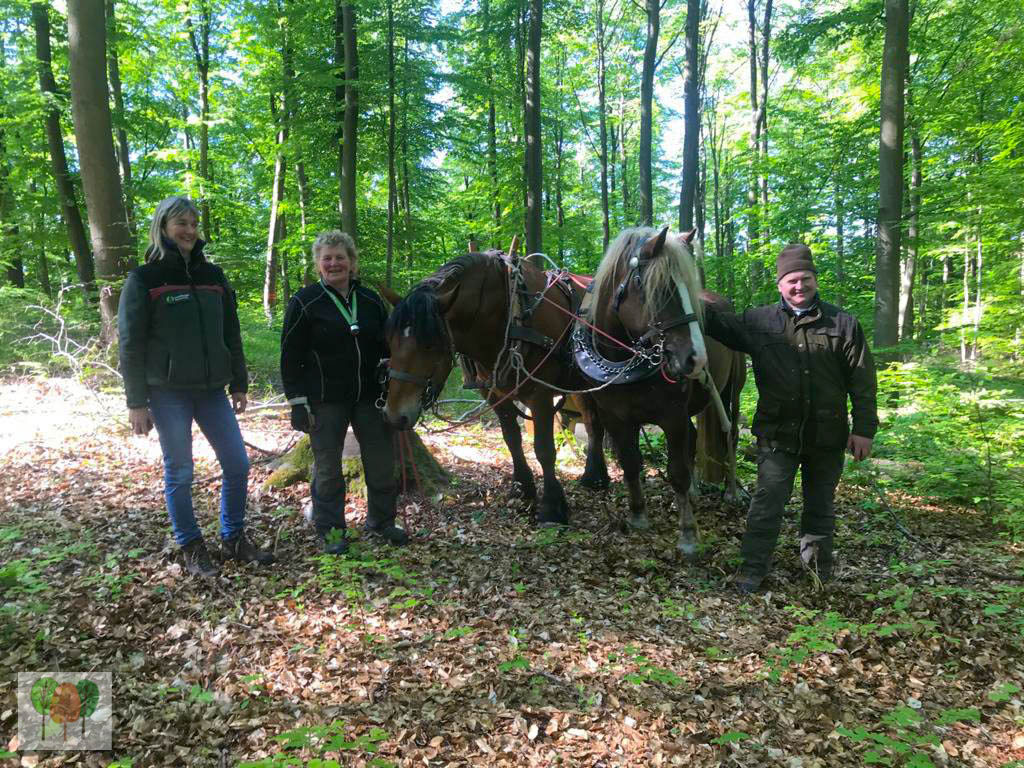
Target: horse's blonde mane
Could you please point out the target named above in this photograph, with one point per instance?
(676, 263)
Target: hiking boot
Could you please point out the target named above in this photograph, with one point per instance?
(746, 585)
(334, 541)
(197, 560)
(392, 534)
(238, 547)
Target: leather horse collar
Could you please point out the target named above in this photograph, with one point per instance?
(648, 350)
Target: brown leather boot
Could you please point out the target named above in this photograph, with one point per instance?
(197, 560)
(238, 547)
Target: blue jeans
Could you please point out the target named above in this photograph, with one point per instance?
(173, 412)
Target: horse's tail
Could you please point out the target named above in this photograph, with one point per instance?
(716, 449)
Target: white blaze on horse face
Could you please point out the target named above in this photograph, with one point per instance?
(407, 332)
(700, 351)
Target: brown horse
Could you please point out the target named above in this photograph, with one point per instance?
(501, 313)
(649, 350)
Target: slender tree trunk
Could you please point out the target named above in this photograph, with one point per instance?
(627, 216)
(840, 243)
(559, 151)
(753, 218)
(123, 153)
(691, 125)
(90, 108)
(348, 163)
(602, 122)
(339, 100)
(492, 127)
(201, 52)
(762, 111)
(282, 235)
(392, 192)
(8, 228)
(280, 117)
(910, 262)
(966, 313)
(890, 173)
(307, 257)
(39, 237)
(534, 156)
(976, 347)
(645, 158)
(58, 158)
(407, 233)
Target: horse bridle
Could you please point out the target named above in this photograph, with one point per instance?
(651, 344)
(431, 390)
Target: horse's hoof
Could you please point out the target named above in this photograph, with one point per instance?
(594, 483)
(552, 518)
(639, 523)
(687, 548)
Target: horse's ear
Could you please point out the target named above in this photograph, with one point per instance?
(687, 237)
(390, 294)
(654, 245)
(513, 248)
(446, 298)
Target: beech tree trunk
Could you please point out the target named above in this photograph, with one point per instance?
(645, 157)
(123, 154)
(492, 128)
(602, 104)
(201, 52)
(534, 165)
(65, 189)
(90, 108)
(392, 186)
(691, 125)
(909, 267)
(348, 148)
(339, 102)
(890, 174)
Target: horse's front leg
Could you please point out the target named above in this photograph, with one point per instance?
(554, 509)
(626, 440)
(595, 475)
(680, 443)
(521, 471)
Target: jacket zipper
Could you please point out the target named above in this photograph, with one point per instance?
(202, 323)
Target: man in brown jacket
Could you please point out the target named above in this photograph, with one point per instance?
(808, 357)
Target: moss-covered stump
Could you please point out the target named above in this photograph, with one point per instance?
(295, 466)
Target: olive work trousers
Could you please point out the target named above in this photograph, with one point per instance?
(820, 471)
(327, 487)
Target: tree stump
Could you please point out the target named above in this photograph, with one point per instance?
(296, 465)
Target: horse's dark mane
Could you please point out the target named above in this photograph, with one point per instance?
(419, 310)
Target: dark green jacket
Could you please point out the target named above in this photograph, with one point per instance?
(178, 327)
(805, 369)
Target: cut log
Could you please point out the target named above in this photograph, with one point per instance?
(296, 465)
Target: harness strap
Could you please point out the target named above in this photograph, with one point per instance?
(410, 377)
(525, 333)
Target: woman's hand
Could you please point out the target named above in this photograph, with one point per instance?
(239, 401)
(141, 420)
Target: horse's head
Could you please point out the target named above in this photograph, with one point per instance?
(652, 284)
(421, 354)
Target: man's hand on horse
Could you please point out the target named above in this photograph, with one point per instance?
(859, 447)
(239, 401)
(141, 420)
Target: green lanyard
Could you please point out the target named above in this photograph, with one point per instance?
(350, 317)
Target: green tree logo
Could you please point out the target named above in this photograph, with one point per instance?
(65, 706)
(89, 695)
(42, 696)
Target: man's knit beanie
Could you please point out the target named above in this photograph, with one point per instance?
(794, 257)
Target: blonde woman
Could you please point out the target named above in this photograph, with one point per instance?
(331, 344)
(180, 346)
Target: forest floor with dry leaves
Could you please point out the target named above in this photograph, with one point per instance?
(488, 642)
